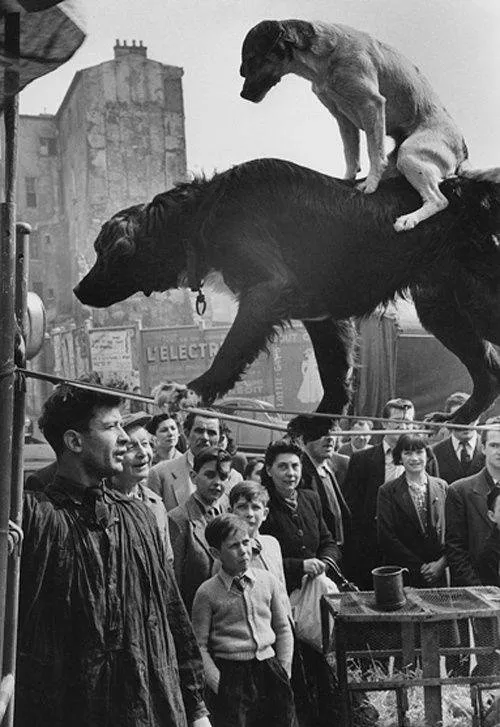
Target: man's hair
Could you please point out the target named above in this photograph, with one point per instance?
(222, 527)
(409, 442)
(400, 404)
(248, 491)
(492, 497)
(281, 446)
(71, 408)
(495, 426)
(456, 399)
(309, 428)
(250, 466)
(189, 420)
(155, 422)
(210, 454)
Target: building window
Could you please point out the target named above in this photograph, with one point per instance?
(34, 245)
(38, 288)
(30, 191)
(48, 146)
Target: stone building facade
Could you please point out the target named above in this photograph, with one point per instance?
(117, 139)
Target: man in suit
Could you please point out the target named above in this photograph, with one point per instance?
(172, 479)
(360, 440)
(459, 455)
(367, 471)
(323, 470)
(467, 523)
(193, 561)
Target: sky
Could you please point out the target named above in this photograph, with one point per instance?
(456, 43)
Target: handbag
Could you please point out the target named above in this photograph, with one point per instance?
(305, 602)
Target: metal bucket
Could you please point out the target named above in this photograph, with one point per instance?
(388, 587)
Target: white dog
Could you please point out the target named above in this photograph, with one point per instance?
(366, 85)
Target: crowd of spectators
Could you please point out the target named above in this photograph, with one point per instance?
(159, 564)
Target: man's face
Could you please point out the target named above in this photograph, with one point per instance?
(463, 435)
(322, 449)
(253, 511)
(235, 553)
(285, 473)
(167, 433)
(204, 433)
(359, 441)
(138, 457)
(404, 418)
(210, 480)
(104, 445)
(492, 450)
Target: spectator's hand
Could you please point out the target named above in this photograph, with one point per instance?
(15, 537)
(433, 571)
(201, 722)
(314, 567)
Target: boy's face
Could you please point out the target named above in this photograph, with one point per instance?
(494, 515)
(210, 480)
(254, 512)
(235, 552)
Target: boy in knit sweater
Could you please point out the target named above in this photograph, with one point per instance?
(244, 634)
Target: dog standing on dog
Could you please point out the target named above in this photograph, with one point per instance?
(366, 85)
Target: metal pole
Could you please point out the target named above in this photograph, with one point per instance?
(7, 318)
(12, 601)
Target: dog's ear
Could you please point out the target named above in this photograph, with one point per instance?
(297, 33)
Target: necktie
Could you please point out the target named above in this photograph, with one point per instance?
(239, 583)
(464, 457)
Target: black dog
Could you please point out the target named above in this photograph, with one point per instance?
(292, 243)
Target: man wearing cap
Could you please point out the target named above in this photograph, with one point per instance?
(319, 465)
(131, 481)
(193, 561)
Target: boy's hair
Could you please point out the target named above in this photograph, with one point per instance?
(222, 527)
(248, 490)
(491, 497)
(155, 422)
(281, 446)
(250, 466)
(71, 408)
(408, 442)
(210, 454)
(495, 425)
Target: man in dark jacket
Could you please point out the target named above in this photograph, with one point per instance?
(104, 637)
(459, 455)
(367, 471)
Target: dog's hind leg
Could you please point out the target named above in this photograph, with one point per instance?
(440, 314)
(425, 168)
(333, 343)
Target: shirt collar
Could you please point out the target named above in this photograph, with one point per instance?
(470, 444)
(68, 489)
(190, 458)
(227, 579)
(489, 479)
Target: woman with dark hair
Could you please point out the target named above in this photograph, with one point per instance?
(253, 470)
(410, 515)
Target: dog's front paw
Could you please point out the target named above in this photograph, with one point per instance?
(368, 185)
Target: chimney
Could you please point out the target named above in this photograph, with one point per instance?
(122, 50)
